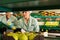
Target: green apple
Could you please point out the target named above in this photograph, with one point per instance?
(22, 36)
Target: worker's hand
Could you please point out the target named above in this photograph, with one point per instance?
(13, 28)
(23, 31)
(8, 23)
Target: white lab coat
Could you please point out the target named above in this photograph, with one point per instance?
(31, 26)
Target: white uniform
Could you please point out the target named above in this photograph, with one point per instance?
(11, 20)
(32, 25)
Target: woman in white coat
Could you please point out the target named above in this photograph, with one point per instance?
(28, 23)
(8, 19)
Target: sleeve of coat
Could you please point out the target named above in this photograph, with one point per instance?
(19, 24)
(36, 26)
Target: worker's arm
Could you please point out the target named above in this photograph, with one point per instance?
(36, 26)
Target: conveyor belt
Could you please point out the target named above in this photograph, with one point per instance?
(54, 34)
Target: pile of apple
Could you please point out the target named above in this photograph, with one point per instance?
(52, 23)
(22, 36)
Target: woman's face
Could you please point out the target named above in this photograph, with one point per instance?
(8, 13)
(26, 14)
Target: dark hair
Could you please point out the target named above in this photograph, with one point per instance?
(6, 12)
(23, 11)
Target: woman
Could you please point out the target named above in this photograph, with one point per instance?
(8, 19)
(28, 23)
